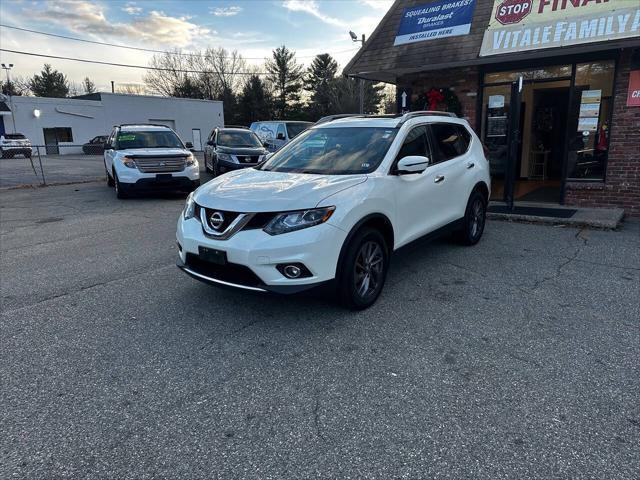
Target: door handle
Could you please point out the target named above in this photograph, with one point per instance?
(438, 179)
(470, 165)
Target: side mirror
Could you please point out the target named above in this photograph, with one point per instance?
(189, 145)
(266, 144)
(211, 143)
(107, 146)
(280, 136)
(412, 164)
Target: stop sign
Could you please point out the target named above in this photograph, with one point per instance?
(513, 11)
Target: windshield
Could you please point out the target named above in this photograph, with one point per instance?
(150, 139)
(294, 129)
(14, 136)
(334, 151)
(244, 138)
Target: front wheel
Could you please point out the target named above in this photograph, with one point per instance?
(363, 270)
(120, 190)
(474, 220)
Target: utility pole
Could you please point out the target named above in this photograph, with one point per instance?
(7, 68)
(355, 38)
(113, 86)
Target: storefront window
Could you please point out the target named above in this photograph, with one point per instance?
(555, 71)
(589, 121)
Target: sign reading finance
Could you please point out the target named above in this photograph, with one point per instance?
(435, 20)
(519, 25)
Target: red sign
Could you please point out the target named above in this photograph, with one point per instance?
(633, 99)
(513, 11)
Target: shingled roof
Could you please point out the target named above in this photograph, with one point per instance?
(380, 60)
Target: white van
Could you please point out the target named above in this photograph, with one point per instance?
(276, 133)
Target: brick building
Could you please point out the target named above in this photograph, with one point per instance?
(547, 84)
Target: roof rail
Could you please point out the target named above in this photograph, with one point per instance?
(235, 126)
(421, 113)
(141, 124)
(330, 118)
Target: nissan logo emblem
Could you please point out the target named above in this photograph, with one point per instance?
(216, 219)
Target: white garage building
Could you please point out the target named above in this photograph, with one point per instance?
(70, 122)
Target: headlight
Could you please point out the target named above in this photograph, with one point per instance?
(128, 162)
(189, 208)
(225, 157)
(291, 221)
(192, 160)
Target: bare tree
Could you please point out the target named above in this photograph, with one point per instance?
(219, 73)
(171, 74)
(88, 85)
(131, 88)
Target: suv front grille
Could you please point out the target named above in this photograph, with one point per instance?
(248, 158)
(160, 164)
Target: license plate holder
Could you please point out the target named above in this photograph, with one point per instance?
(211, 255)
(164, 177)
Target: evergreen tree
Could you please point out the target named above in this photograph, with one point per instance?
(319, 83)
(49, 83)
(188, 88)
(285, 74)
(346, 96)
(255, 102)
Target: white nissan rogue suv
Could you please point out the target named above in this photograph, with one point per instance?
(149, 157)
(333, 205)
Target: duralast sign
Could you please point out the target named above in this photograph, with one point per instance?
(520, 25)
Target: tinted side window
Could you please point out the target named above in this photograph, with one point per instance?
(415, 143)
(450, 140)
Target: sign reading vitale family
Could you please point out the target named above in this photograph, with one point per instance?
(520, 25)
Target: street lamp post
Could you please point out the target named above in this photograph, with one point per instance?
(7, 67)
(355, 38)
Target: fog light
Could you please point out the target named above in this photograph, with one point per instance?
(291, 271)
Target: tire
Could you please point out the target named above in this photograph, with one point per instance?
(110, 182)
(475, 217)
(214, 169)
(366, 261)
(120, 190)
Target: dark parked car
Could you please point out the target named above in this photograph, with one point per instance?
(95, 146)
(231, 149)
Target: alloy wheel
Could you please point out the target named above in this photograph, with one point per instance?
(369, 269)
(477, 217)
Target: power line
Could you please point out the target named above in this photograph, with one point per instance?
(141, 49)
(125, 65)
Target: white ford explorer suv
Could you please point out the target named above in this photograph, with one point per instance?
(148, 157)
(332, 205)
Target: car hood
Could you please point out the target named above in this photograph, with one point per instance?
(251, 190)
(153, 152)
(242, 150)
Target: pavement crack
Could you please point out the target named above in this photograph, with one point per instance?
(316, 420)
(84, 288)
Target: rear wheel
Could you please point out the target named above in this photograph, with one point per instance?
(474, 220)
(215, 167)
(363, 270)
(110, 182)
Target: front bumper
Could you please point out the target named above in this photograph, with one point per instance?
(172, 183)
(134, 179)
(252, 256)
(224, 166)
(24, 150)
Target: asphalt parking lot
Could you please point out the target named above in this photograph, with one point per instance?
(517, 358)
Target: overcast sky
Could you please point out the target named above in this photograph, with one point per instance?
(253, 27)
